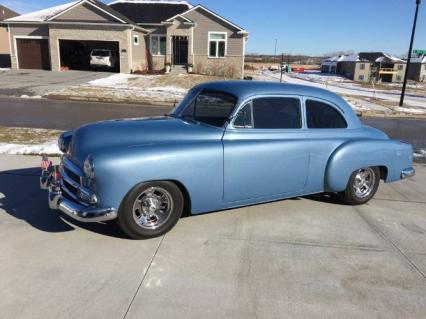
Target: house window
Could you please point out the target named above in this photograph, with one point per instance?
(136, 40)
(400, 66)
(362, 66)
(398, 78)
(217, 44)
(361, 78)
(425, 67)
(158, 44)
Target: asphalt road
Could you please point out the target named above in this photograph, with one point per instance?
(307, 257)
(63, 115)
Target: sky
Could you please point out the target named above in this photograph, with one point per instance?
(311, 27)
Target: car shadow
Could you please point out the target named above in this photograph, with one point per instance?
(329, 198)
(22, 198)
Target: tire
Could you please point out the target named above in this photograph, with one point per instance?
(150, 210)
(362, 186)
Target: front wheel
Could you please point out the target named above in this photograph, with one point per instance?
(362, 186)
(150, 210)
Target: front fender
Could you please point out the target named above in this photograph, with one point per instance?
(197, 166)
(393, 155)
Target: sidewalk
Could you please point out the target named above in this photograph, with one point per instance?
(288, 259)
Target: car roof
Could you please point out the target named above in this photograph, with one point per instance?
(244, 90)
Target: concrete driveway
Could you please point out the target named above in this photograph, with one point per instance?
(36, 83)
(299, 258)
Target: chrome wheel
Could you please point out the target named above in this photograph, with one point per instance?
(364, 182)
(152, 208)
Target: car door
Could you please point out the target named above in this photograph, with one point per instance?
(265, 150)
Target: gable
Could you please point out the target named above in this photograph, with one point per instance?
(86, 13)
(208, 21)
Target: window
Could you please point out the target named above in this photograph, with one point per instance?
(217, 44)
(362, 66)
(322, 115)
(361, 77)
(271, 113)
(211, 107)
(400, 67)
(398, 78)
(158, 44)
(425, 66)
(136, 40)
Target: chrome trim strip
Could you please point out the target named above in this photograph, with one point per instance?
(408, 172)
(71, 166)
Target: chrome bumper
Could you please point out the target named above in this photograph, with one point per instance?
(71, 208)
(408, 172)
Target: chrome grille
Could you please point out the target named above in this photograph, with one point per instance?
(72, 175)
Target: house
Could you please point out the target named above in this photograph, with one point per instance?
(385, 67)
(417, 70)
(351, 66)
(366, 66)
(329, 65)
(5, 13)
(146, 34)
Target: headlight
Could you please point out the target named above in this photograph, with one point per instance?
(89, 168)
(61, 143)
(64, 141)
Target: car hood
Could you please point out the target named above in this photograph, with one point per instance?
(97, 137)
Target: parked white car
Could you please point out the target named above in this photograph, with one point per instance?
(103, 58)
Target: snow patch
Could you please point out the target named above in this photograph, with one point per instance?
(420, 153)
(43, 15)
(168, 89)
(24, 96)
(117, 81)
(48, 148)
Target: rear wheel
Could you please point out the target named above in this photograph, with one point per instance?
(362, 186)
(150, 210)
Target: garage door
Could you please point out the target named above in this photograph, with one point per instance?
(33, 54)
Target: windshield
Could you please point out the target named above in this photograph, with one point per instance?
(100, 53)
(210, 107)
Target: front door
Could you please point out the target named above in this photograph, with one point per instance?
(265, 151)
(180, 50)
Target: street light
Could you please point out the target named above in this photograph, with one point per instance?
(404, 85)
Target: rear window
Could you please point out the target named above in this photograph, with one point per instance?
(322, 115)
(100, 53)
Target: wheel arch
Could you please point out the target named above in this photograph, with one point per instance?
(185, 193)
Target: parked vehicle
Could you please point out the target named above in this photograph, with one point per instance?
(103, 58)
(227, 144)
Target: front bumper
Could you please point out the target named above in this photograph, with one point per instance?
(58, 200)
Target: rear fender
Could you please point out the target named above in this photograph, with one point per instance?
(353, 155)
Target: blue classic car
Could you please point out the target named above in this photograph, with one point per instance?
(227, 144)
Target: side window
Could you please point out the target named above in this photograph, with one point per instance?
(322, 115)
(245, 117)
(271, 113)
(211, 107)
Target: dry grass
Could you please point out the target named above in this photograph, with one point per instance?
(31, 136)
(260, 65)
(185, 81)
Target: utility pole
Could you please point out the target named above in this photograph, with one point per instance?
(275, 51)
(404, 85)
(282, 67)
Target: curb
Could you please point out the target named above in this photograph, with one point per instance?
(110, 100)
